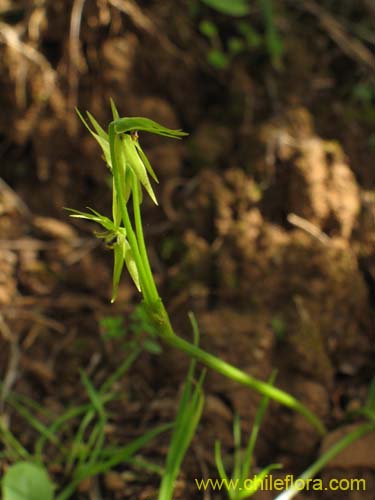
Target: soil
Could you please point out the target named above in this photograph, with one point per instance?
(266, 228)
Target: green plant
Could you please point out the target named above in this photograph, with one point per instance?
(245, 39)
(130, 171)
(242, 463)
(185, 425)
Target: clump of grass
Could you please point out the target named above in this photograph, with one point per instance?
(185, 425)
(242, 463)
(84, 456)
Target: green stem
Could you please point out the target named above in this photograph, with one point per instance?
(160, 318)
(140, 238)
(243, 378)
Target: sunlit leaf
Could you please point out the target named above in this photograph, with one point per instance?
(27, 481)
(131, 265)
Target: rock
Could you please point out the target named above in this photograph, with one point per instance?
(358, 454)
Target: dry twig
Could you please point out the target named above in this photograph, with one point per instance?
(308, 227)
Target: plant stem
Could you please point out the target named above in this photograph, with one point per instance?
(140, 237)
(243, 378)
(161, 320)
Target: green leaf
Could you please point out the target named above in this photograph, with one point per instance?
(208, 29)
(123, 254)
(235, 45)
(218, 59)
(147, 125)
(229, 7)
(152, 347)
(27, 481)
(258, 480)
(99, 135)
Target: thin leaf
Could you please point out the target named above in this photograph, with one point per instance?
(255, 430)
(122, 455)
(99, 130)
(100, 136)
(219, 462)
(257, 481)
(188, 416)
(237, 446)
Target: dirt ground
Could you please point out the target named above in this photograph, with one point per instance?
(266, 224)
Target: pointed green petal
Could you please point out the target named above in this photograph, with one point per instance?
(99, 130)
(123, 254)
(147, 164)
(127, 185)
(131, 265)
(147, 125)
(100, 136)
(115, 114)
(117, 268)
(137, 165)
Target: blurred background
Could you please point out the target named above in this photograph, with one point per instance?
(266, 223)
